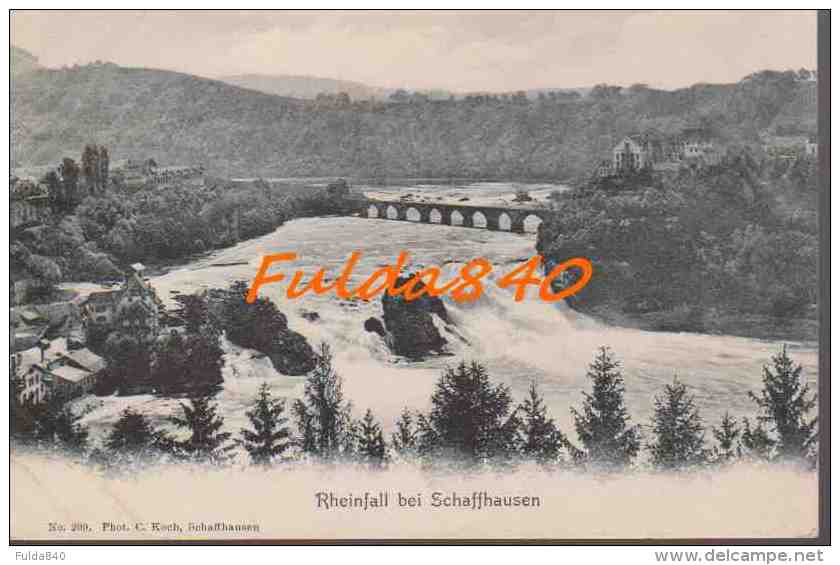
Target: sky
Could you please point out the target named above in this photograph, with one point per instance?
(452, 50)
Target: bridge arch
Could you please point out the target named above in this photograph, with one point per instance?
(372, 211)
(531, 223)
(457, 219)
(435, 217)
(392, 213)
(479, 219)
(412, 214)
(505, 222)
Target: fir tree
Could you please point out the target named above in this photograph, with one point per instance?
(269, 437)
(69, 431)
(603, 425)
(540, 439)
(68, 173)
(404, 439)
(133, 433)
(757, 441)
(785, 403)
(188, 362)
(470, 420)
(128, 362)
(370, 443)
(677, 429)
(206, 442)
(90, 167)
(104, 165)
(727, 435)
(193, 311)
(323, 416)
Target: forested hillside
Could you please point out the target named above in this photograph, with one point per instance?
(179, 118)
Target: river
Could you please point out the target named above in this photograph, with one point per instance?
(519, 342)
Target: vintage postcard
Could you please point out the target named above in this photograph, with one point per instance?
(417, 276)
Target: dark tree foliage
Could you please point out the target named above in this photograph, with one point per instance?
(90, 168)
(263, 327)
(189, 362)
(251, 325)
(268, 436)
(603, 424)
(323, 416)
(133, 433)
(192, 311)
(68, 173)
(757, 441)
(539, 438)
(785, 403)
(104, 168)
(471, 420)
(370, 442)
(206, 443)
(128, 363)
(678, 430)
(404, 439)
(728, 436)
(54, 191)
(21, 414)
(56, 423)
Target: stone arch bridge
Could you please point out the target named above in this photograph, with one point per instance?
(487, 217)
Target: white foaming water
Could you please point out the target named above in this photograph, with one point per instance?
(519, 342)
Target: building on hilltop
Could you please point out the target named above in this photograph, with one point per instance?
(29, 202)
(633, 153)
(658, 153)
(787, 146)
(167, 175)
(604, 169)
(133, 174)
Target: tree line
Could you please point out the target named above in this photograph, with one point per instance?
(472, 423)
(681, 253)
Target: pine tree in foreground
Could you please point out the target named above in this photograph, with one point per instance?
(728, 446)
(404, 439)
(370, 443)
(470, 421)
(269, 436)
(133, 433)
(206, 443)
(603, 424)
(785, 404)
(678, 430)
(323, 416)
(539, 437)
(757, 441)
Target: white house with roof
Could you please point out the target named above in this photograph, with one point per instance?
(59, 368)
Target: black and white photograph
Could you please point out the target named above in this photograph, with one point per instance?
(418, 276)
